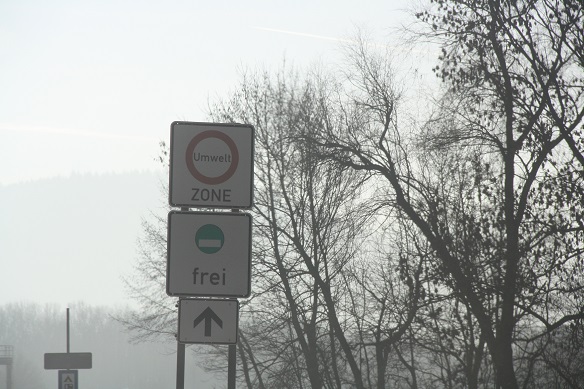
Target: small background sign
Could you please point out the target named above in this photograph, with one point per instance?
(68, 360)
(68, 379)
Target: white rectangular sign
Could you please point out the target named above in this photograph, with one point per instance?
(211, 165)
(68, 360)
(68, 379)
(208, 254)
(208, 321)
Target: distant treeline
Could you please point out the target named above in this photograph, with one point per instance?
(34, 329)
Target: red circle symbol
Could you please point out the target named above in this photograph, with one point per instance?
(191, 160)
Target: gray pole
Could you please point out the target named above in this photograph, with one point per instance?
(180, 365)
(67, 330)
(9, 375)
(231, 366)
(232, 356)
(180, 351)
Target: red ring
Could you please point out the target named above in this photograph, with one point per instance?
(190, 157)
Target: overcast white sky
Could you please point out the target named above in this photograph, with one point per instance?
(92, 86)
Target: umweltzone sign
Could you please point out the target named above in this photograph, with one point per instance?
(211, 165)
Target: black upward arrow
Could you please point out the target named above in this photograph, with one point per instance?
(208, 315)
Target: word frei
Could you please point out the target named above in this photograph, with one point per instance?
(214, 278)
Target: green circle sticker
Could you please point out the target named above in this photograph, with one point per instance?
(209, 238)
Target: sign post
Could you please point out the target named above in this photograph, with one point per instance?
(209, 253)
(68, 379)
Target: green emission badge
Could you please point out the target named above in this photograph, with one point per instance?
(209, 238)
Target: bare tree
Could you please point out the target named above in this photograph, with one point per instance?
(510, 68)
(483, 201)
(305, 222)
(321, 280)
(157, 316)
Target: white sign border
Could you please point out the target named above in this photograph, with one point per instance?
(208, 301)
(168, 250)
(75, 374)
(195, 204)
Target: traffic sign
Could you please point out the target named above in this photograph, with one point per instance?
(209, 238)
(208, 321)
(208, 254)
(211, 165)
(68, 379)
(68, 360)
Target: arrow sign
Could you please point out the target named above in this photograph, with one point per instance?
(208, 315)
(211, 321)
(68, 379)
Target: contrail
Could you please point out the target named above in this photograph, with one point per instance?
(74, 132)
(328, 38)
(352, 42)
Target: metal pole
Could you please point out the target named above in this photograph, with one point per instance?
(180, 350)
(180, 365)
(67, 330)
(232, 356)
(231, 366)
(9, 376)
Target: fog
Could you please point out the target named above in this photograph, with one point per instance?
(70, 242)
(35, 329)
(69, 239)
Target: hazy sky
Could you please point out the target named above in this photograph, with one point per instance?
(92, 87)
